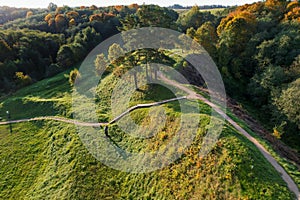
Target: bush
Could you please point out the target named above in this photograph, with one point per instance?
(22, 80)
(74, 76)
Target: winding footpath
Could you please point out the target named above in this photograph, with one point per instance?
(89, 124)
(284, 175)
(191, 95)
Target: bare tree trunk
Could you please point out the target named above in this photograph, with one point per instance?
(135, 81)
(151, 75)
(147, 75)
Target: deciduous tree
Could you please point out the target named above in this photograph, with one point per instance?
(115, 53)
(289, 102)
(101, 64)
(60, 22)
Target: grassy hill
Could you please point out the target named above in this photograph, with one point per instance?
(47, 160)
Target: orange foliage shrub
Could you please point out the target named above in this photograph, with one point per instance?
(48, 17)
(133, 6)
(293, 15)
(118, 7)
(96, 17)
(72, 15)
(293, 5)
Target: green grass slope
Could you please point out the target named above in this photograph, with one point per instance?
(47, 160)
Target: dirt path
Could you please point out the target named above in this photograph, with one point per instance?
(193, 95)
(89, 124)
(66, 120)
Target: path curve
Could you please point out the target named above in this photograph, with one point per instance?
(193, 95)
(89, 124)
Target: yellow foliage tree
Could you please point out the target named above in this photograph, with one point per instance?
(133, 6)
(276, 5)
(118, 7)
(252, 8)
(234, 19)
(72, 15)
(294, 14)
(72, 22)
(48, 17)
(292, 5)
(60, 22)
(29, 14)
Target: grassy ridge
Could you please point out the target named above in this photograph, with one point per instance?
(47, 160)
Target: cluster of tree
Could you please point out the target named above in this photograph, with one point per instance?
(28, 52)
(264, 58)
(178, 6)
(9, 14)
(150, 15)
(39, 43)
(255, 46)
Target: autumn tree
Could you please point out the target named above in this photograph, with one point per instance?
(60, 22)
(234, 32)
(101, 64)
(29, 14)
(292, 5)
(48, 17)
(72, 22)
(72, 15)
(206, 35)
(96, 17)
(274, 4)
(133, 6)
(238, 24)
(294, 14)
(118, 7)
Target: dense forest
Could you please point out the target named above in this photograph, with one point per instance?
(255, 46)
